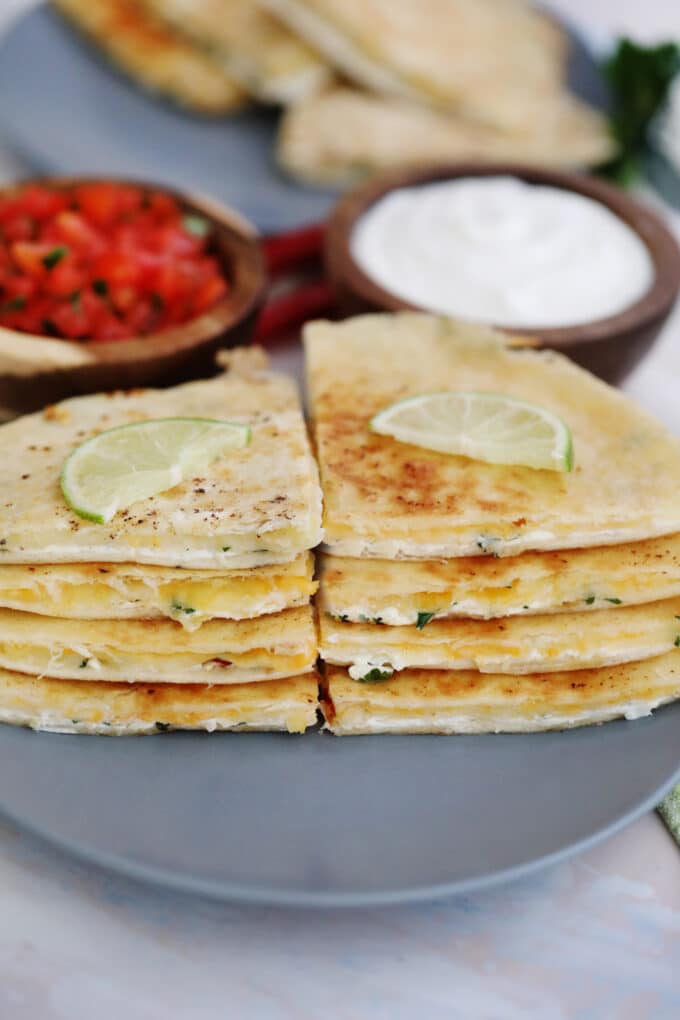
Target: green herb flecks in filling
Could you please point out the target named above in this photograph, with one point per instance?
(376, 675)
(178, 607)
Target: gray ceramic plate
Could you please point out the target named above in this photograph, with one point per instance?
(313, 820)
(69, 112)
(324, 821)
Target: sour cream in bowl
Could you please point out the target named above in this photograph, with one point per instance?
(574, 262)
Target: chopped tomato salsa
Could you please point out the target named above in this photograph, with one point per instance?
(103, 262)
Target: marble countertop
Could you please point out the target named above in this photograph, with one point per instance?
(596, 937)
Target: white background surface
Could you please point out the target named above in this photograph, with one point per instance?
(597, 937)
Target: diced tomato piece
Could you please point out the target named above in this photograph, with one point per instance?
(40, 202)
(18, 286)
(10, 207)
(123, 297)
(72, 229)
(162, 206)
(18, 228)
(65, 278)
(208, 294)
(29, 256)
(171, 240)
(116, 268)
(111, 328)
(102, 261)
(104, 202)
(70, 320)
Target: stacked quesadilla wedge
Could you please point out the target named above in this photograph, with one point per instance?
(463, 596)
(189, 609)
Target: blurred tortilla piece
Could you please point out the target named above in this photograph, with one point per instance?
(460, 55)
(342, 135)
(156, 57)
(431, 701)
(268, 60)
(126, 709)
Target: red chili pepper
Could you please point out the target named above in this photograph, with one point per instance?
(293, 248)
(283, 315)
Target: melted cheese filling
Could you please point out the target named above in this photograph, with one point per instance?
(79, 663)
(189, 602)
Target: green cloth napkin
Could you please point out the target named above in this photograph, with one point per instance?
(669, 809)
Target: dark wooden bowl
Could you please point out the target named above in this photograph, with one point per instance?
(35, 371)
(609, 347)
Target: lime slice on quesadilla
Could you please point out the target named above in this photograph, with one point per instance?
(485, 426)
(116, 468)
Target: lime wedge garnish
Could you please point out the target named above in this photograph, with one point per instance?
(118, 467)
(485, 426)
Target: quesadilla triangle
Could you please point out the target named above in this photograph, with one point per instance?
(339, 136)
(496, 61)
(392, 500)
(514, 644)
(157, 58)
(219, 652)
(264, 56)
(84, 706)
(430, 701)
(255, 506)
(113, 591)
(408, 592)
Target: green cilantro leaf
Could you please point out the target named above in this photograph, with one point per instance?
(54, 257)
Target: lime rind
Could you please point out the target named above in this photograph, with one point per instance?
(150, 478)
(453, 433)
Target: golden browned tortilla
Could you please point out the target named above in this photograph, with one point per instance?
(341, 135)
(259, 51)
(391, 500)
(158, 58)
(496, 59)
(514, 644)
(121, 709)
(255, 506)
(405, 592)
(433, 701)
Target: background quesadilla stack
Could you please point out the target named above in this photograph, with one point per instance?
(190, 609)
(462, 596)
(211, 56)
(365, 84)
(434, 80)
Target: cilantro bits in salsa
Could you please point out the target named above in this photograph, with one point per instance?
(103, 261)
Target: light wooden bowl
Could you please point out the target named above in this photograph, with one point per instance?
(38, 370)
